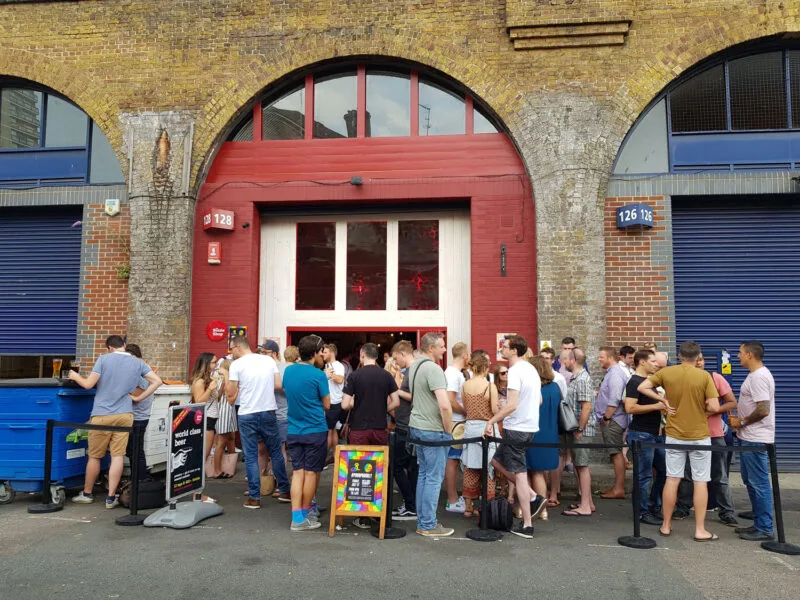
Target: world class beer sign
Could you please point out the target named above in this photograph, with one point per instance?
(634, 215)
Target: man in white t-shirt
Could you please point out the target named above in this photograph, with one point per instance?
(520, 418)
(253, 380)
(755, 425)
(334, 371)
(455, 381)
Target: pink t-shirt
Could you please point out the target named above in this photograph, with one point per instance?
(715, 421)
(758, 387)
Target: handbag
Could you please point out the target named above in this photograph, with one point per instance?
(567, 423)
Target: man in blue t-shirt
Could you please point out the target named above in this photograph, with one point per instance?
(308, 397)
(116, 375)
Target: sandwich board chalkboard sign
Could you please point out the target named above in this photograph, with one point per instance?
(359, 484)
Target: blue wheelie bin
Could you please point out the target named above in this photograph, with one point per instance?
(25, 407)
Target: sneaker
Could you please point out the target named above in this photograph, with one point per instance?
(362, 522)
(459, 506)
(112, 501)
(649, 519)
(728, 520)
(404, 514)
(313, 510)
(251, 503)
(522, 531)
(437, 531)
(680, 514)
(756, 536)
(305, 525)
(741, 530)
(284, 497)
(538, 504)
(83, 498)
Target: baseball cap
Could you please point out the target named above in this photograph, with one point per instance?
(270, 345)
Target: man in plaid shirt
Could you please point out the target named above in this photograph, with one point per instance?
(580, 396)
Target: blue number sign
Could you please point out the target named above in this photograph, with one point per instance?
(634, 214)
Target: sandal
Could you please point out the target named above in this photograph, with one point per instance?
(667, 534)
(553, 503)
(713, 538)
(223, 476)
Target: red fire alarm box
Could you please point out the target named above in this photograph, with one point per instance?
(218, 219)
(214, 253)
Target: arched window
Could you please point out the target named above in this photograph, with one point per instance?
(741, 111)
(365, 101)
(47, 140)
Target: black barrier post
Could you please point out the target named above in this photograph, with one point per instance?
(48, 506)
(636, 540)
(133, 518)
(390, 532)
(781, 547)
(484, 534)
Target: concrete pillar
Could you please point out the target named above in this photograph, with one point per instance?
(158, 146)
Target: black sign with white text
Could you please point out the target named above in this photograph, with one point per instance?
(186, 472)
(360, 481)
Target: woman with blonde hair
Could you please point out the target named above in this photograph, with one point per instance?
(480, 402)
(226, 423)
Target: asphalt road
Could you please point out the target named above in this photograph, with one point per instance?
(80, 552)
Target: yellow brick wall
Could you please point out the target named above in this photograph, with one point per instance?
(213, 56)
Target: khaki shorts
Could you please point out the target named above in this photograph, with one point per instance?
(101, 442)
(612, 434)
(580, 456)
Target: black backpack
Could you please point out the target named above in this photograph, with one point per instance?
(499, 515)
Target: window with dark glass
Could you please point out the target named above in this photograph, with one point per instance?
(366, 265)
(699, 104)
(388, 104)
(441, 112)
(794, 86)
(481, 123)
(21, 118)
(335, 106)
(316, 266)
(758, 92)
(285, 119)
(418, 265)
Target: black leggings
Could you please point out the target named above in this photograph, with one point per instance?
(139, 428)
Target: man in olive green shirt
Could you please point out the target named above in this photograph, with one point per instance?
(690, 397)
(431, 421)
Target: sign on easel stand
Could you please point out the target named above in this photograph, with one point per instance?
(185, 470)
(359, 484)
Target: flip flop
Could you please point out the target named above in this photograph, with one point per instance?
(553, 503)
(661, 533)
(604, 496)
(576, 506)
(573, 513)
(223, 476)
(713, 538)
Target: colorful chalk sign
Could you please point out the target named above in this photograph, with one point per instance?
(359, 486)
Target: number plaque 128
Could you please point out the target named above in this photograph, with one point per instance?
(216, 218)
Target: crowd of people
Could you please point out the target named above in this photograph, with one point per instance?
(297, 410)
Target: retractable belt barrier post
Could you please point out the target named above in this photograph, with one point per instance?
(636, 540)
(48, 506)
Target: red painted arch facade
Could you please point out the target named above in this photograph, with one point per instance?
(483, 171)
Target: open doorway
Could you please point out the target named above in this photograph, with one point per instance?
(349, 341)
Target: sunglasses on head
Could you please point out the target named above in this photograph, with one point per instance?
(320, 343)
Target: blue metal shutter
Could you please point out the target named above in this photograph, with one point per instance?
(737, 278)
(40, 268)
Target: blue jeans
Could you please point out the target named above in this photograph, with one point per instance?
(755, 475)
(262, 427)
(649, 458)
(432, 461)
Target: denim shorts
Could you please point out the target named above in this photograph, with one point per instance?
(513, 458)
